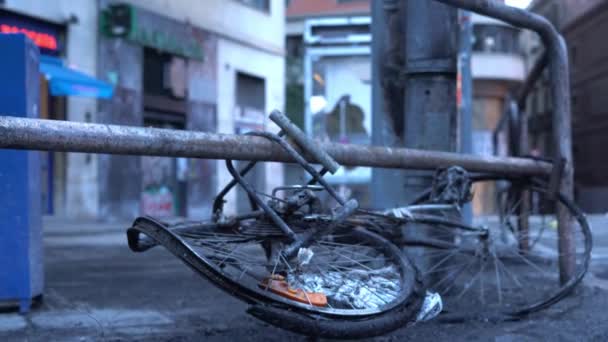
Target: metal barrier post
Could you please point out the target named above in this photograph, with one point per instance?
(557, 55)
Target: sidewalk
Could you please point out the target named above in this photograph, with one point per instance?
(98, 290)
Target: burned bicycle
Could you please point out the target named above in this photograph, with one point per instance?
(500, 266)
(345, 273)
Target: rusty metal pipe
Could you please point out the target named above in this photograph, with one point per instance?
(52, 135)
(557, 54)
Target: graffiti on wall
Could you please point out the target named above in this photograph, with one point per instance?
(157, 198)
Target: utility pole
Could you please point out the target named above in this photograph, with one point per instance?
(430, 111)
(387, 98)
(414, 90)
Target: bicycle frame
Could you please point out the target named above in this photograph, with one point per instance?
(288, 129)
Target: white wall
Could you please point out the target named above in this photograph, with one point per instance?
(229, 18)
(497, 66)
(232, 58)
(81, 178)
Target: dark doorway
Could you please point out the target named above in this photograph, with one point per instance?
(164, 181)
(250, 104)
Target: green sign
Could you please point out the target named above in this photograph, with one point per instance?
(166, 42)
(127, 22)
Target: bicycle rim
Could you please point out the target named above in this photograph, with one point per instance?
(514, 269)
(359, 273)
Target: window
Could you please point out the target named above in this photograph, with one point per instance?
(250, 91)
(164, 74)
(261, 5)
(249, 116)
(496, 38)
(294, 46)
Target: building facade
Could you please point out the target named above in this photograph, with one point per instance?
(497, 67)
(583, 23)
(73, 26)
(216, 66)
(329, 80)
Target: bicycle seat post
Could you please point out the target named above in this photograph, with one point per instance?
(313, 149)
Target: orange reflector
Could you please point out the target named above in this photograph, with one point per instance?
(278, 285)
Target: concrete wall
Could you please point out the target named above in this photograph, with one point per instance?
(562, 12)
(81, 198)
(498, 66)
(120, 176)
(202, 116)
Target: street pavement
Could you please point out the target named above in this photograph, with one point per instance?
(98, 290)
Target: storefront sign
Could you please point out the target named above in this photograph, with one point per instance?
(165, 42)
(41, 39)
(46, 36)
(150, 30)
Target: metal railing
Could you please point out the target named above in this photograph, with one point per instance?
(52, 135)
(557, 59)
(36, 134)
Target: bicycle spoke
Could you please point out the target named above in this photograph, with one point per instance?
(456, 275)
(441, 261)
(510, 274)
(498, 282)
(443, 269)
(536, 267)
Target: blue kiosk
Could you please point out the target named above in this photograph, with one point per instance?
(21, 261)
(21, 247)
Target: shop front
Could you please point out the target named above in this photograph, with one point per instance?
(57, 81)
(165, 76)
(337, 90)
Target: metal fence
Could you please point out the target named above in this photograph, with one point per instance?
(35, 134)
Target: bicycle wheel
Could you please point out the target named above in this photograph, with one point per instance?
(512, 266)
(337, 286)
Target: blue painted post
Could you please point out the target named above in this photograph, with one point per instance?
(465, 96)
(21, 269)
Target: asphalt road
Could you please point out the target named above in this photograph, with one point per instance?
(97, 290)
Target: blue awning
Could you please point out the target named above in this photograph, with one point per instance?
(64, 81)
